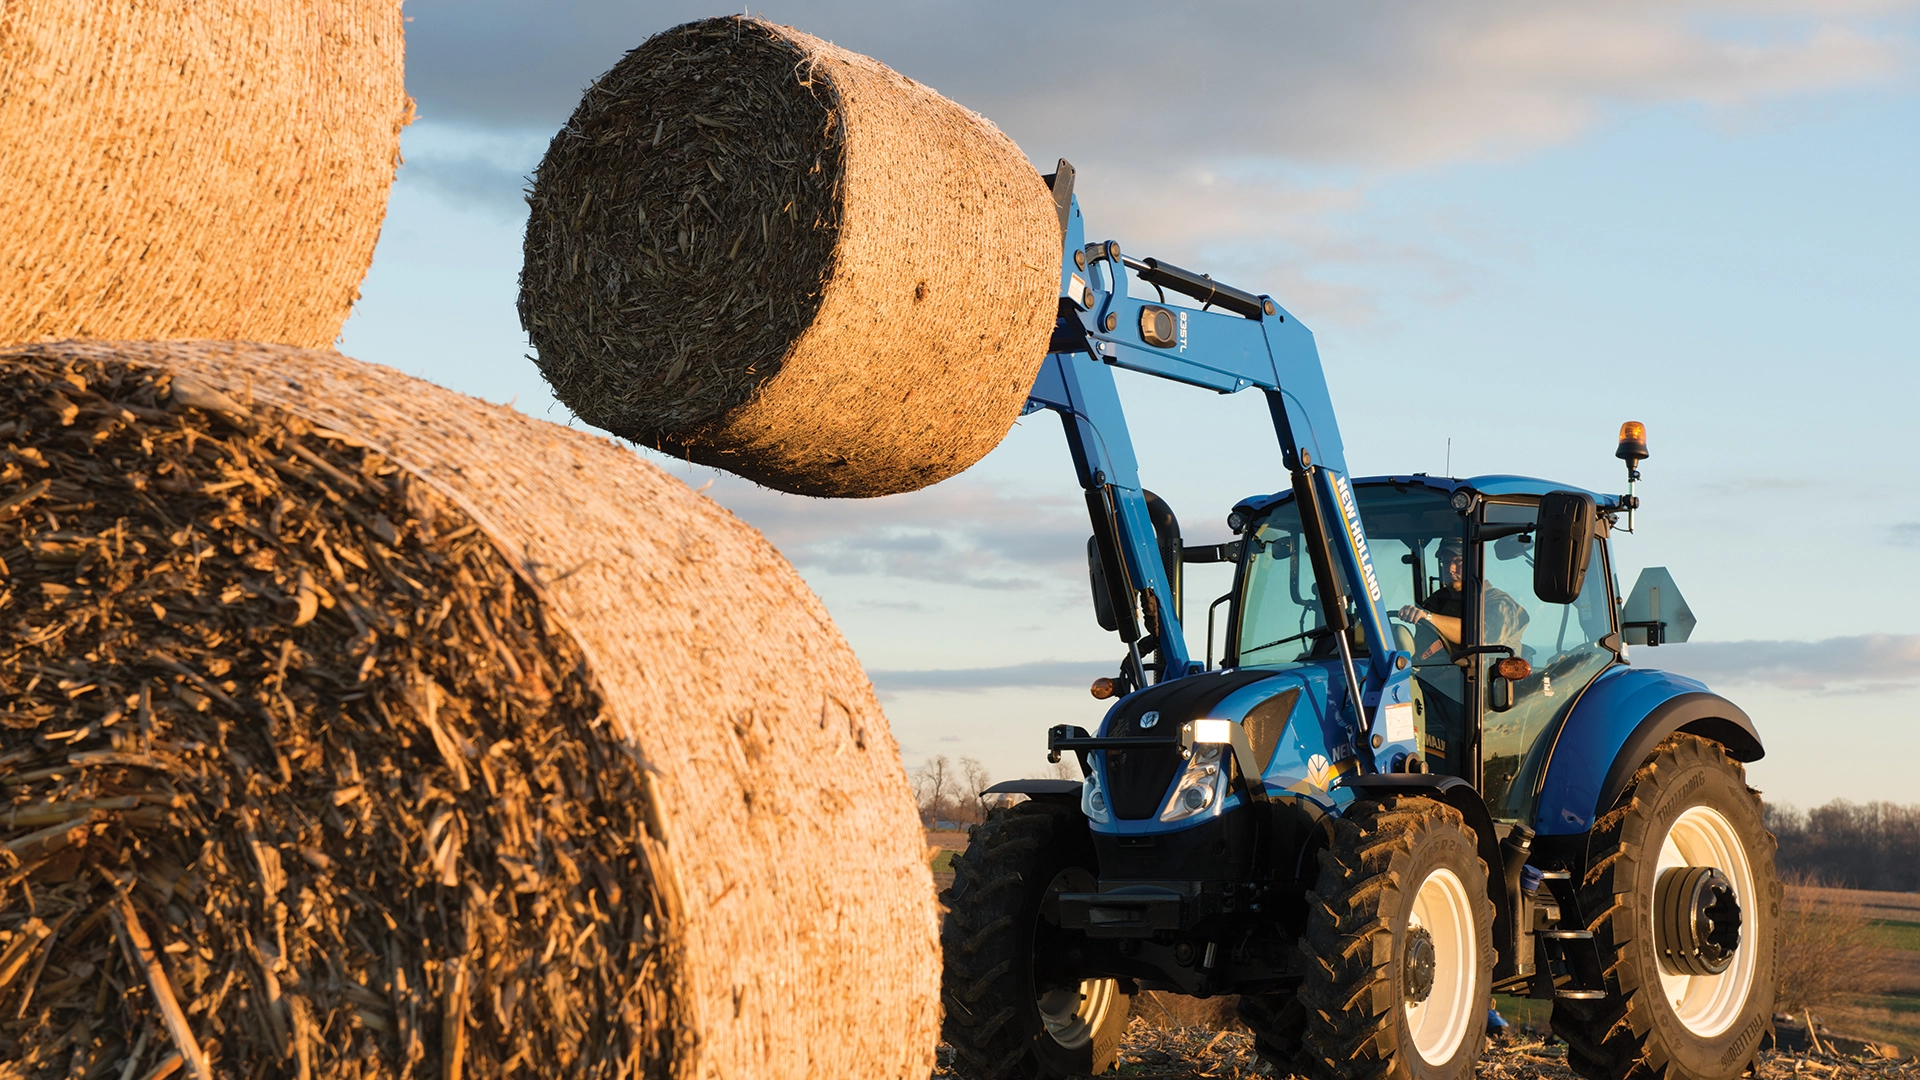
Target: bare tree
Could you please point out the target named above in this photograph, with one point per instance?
(978, 781)
(1067, 768)
(1851, 845)
(933, 784)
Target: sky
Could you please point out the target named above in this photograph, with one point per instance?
(1511, 225)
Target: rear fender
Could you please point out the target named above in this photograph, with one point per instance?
(1615, 726)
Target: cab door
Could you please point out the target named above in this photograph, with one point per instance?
(1565, 645)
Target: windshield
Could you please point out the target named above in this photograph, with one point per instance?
(1279, 606)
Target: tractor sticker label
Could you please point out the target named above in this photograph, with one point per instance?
(1399, 721)
(1183, 348)
(1350, 517)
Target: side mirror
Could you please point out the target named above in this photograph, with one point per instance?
(1505, 674)
(1563, 542)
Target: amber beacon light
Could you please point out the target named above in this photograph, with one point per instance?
(1633, 444)
(1633, 451)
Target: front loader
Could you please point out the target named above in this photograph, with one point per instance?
(1422, 770)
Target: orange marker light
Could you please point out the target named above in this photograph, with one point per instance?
(1633, 442)
(1513, 668)
(1104, 688)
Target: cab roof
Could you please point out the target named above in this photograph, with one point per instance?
(1495, 484)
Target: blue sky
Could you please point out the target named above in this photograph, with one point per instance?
(1510, 225)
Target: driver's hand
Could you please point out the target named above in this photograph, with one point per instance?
(1411, 614)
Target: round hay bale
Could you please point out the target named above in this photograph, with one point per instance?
(354, 725)
(214, 169)
(761, 252)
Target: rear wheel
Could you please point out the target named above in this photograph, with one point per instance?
(1012, 1007)
(1400, 930)
(1682, 900)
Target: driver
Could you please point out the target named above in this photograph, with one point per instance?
(1503, 619)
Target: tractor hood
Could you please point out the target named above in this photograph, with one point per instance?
(1291, 715)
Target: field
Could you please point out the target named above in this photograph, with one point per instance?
(1889, 1011)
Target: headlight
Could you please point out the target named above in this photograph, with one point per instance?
(1093, 801)
(1200, 786)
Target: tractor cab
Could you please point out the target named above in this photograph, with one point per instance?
(1496, 666)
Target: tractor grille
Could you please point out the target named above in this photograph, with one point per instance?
(1137, 780)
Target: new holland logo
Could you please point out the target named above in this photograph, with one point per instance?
(1149, 719)
(1350, 516)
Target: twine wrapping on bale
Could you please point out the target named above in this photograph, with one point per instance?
(768, 254)
(417, 738)
(211, 169)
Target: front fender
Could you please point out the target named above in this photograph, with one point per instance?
(1611, 730)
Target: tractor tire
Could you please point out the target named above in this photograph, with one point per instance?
(1278, 1023)
(1689, 806)
(1005, 1016)
(1400, 938)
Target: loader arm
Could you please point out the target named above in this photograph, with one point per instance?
(1241, 341)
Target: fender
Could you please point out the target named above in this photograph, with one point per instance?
(1616, 723)
(1066, 791)
(1460, 795)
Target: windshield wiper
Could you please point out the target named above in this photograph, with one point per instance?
(1316, 632)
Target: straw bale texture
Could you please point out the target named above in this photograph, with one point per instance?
(422, 739)
(769, 254)
(208, 169)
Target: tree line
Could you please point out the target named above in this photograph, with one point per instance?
(1872, 845)
(954, 795)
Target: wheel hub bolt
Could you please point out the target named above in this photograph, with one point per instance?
(1417, 975)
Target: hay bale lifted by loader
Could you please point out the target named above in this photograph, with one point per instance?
(767, 254)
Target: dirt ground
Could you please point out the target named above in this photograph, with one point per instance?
(1888, 906)
(1192, 1053)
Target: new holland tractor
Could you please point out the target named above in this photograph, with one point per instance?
(1422, 771)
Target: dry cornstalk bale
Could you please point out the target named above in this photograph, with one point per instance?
(759, 251)
(214, 169)
(350, 727)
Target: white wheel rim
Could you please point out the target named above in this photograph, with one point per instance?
(1072, 1014)
(1440, 1023)
(1707, 1005)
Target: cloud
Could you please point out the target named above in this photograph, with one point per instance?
(1862, 662)
(1865, 662)
(1043, 673)
(470, 165)
(1402, 83)
(1233, 133)
(961, 532)
(1904, 534)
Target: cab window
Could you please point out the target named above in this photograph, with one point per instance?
(1560, 642)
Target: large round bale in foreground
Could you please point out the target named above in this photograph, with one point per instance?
(213, 169)
(361, 729)
(768, 254)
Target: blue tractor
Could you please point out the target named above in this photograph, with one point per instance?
(1422, 771)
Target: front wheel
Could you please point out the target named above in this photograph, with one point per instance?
(1400, 930)
(1682, 900)
(1013, 1006)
